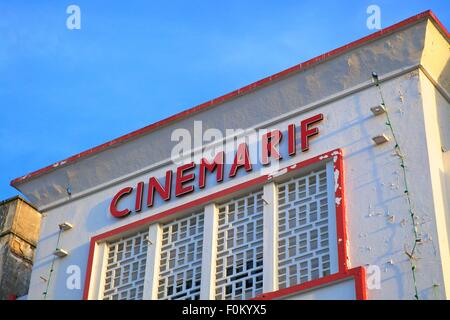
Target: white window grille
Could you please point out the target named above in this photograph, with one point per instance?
(303, 229)
(239, 264)
(125, 269)
(306, 246)
(181, 258)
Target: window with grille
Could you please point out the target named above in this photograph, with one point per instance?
(125, 268)
(303, 229)
(304, 240)
(181, 258)
(239, 263)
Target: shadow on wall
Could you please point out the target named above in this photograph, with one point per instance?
(443, 115)
(436, 290)
(380, 201)
(70, 277)
(99, 217)
(444, 77)
(57, 280)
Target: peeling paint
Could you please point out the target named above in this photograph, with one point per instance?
(335, 153)
(57, 164)
(279, 172)
(391, 218)
(336, 179)
(365, 248)
(375, 213)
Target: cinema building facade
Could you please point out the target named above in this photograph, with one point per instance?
(336, 186)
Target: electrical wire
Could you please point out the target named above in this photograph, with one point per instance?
(52, 266)
(400, 155)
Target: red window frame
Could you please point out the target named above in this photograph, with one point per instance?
(358, 275)
(343, 272)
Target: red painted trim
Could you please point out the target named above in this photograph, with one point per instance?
(336, 155)
(236, 93)
(360, 283)
(358, 275)
(341, 222)
(90, 262)
(433, 17)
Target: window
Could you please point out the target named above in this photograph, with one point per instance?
(303, 237)
(239, 262)
(125, 269)
(222, 251)
(181, 259)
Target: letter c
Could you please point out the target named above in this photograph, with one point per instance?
(113, 207)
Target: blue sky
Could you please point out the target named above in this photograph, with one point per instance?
(136, 62)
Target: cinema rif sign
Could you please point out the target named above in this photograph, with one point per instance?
(184, 175)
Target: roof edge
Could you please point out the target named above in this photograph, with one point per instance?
(236, 93)
(18, 197)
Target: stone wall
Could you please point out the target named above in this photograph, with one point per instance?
(19, 232)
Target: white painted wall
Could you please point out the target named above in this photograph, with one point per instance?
(342, 290)
(378, 223)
